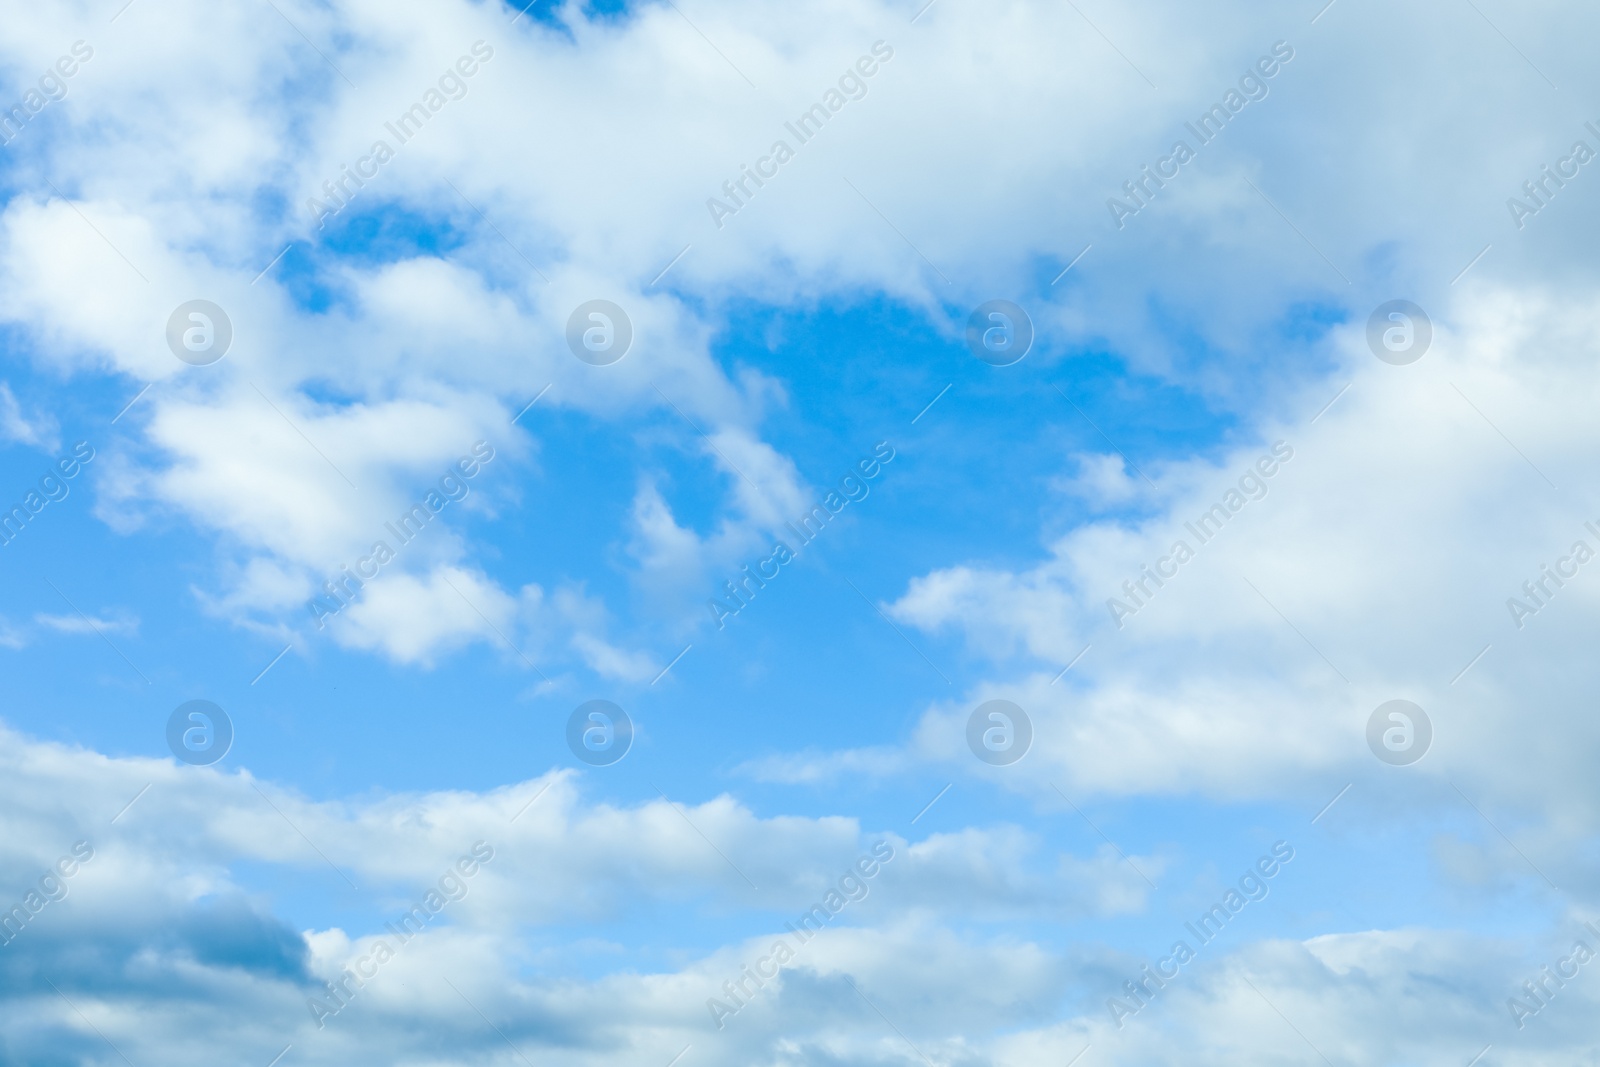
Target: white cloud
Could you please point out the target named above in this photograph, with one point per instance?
(116, 623)
(813, 767)
(657, 122)
(1377, 565)
(1380, 560)
(40, 431)
(1103, 480)
(163, 901)
(412, 619)
(12, 636)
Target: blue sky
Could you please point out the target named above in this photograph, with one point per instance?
(1226, 320)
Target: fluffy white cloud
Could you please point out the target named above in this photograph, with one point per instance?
(162, 903)
(166, 151)
(1376, 563)
(164, 898)
(978, 163)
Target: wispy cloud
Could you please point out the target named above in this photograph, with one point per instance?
(41, 431)
(119, 622)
